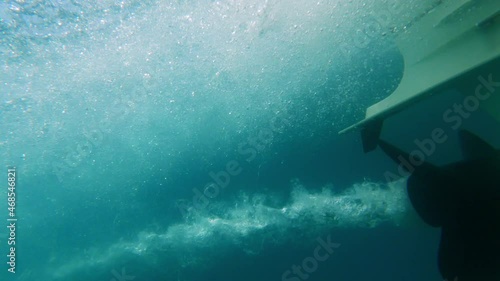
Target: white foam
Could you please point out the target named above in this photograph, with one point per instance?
(248, 224)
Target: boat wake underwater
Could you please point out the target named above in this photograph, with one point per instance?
(114, 114)
(249, 225)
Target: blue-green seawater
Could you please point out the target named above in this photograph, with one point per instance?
(198, 140)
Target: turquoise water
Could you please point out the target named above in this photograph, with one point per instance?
(197, 140)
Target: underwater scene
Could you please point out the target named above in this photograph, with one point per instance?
(198, 140)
